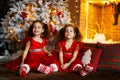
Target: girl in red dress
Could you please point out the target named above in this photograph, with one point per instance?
(68, 49)
(35, 55)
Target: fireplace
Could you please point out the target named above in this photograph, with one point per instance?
(96, 21)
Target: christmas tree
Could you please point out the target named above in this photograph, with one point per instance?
(22, 12)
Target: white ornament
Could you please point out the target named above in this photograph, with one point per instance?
(86, 57)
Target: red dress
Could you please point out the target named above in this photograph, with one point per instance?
(68, 53)
(33, 59)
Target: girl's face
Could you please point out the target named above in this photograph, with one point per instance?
(37, 28)
(69, 32)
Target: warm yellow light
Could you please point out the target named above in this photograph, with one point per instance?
(76, 6)
(10, 31)
(53, 11)
(76, 0)
(77, 11)
(18, 40)
(12, 37)
(52, 23)
(86, 31)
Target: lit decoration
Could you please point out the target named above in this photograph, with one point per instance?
(99, 38)
(97, 32)
(74, 8)
(76, 0)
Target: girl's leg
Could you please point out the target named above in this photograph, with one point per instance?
(47, 69)
(43, 68)
(53, 68)
(79, 69)
(88, 68)
(24, 70)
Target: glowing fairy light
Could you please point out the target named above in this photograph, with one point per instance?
(76, 0)
(98, 35)
(86, 31)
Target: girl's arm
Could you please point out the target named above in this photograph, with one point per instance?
(46, 51)
(61, 57)
(47, 41)
(75, 53)
(60, 51)
(28, 43)
(74, 56)
(66, 65)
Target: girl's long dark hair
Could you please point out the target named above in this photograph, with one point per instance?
(45, 34)
(61, 34)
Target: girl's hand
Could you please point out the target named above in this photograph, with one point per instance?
(65, 66)
(21, 64)
(62, 65)
(49, 54)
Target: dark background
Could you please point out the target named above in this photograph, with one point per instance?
(4, 8)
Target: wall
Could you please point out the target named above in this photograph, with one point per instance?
(74, 8)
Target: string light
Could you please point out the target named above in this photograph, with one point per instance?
(76, 0)
(77, 11)
(95, 28)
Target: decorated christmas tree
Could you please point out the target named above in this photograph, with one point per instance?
(22, 12)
